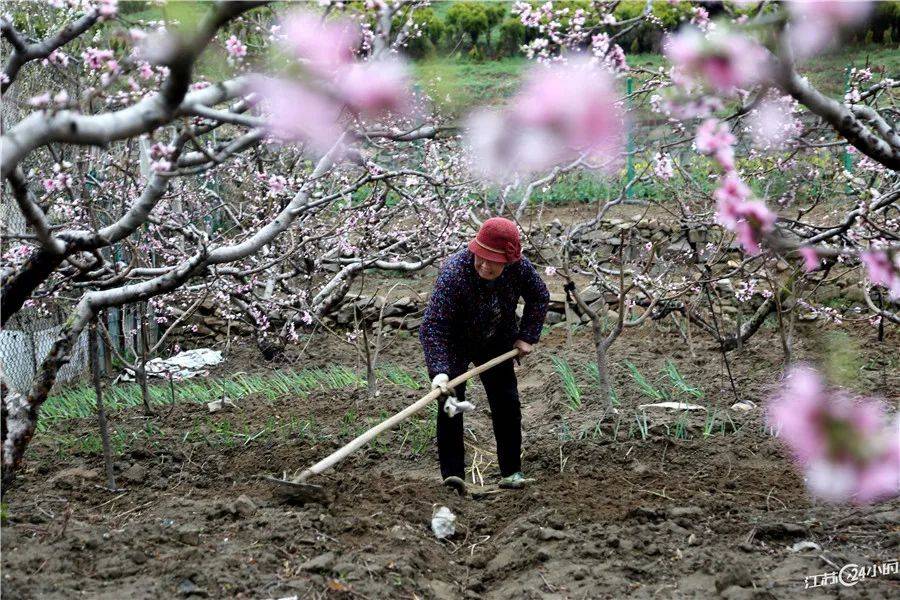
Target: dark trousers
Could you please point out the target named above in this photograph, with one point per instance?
(506, 415)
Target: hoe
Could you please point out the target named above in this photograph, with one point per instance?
(297, 489)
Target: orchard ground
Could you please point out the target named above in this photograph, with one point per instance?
(628, 500)
(640, 503)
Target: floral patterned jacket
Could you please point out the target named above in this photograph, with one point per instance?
(467, 313)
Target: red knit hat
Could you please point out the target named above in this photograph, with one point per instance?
(497, 240)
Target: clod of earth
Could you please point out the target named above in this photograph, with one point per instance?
(136, 473)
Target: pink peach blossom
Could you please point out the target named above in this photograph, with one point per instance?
(880, 478)
(499, 150)
(95, 58)
(713, 135)
(611, 55)
(725, 157)
(772, 124)
(576, 102)
(757, 221)
(795, 413)
(700, 16)
(235, 47)
(108, 9)
(136, 34)
(685, 50)
(721, 60)
(815, 24)
(811, 260)
(376, 88)
(57, 58)
(847, 450)
(882, 271)
(145, 71)
(277, 184)
(324, 47)
(298, 114)
(732, 190)
(563, 111)
(40, 101)
(751, 220)
(831, 482)
(161, 165)
(714, 138)
(663, 167)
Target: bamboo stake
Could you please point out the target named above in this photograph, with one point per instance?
(361, 440)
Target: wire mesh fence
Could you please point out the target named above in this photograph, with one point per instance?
(26, 340)
(28, 336)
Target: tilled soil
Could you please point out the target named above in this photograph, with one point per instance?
(617, 509)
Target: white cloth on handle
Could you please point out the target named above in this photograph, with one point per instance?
(452, 406)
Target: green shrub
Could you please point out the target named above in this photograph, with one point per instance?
(475, 20)
(132, 6)
(512, 37)
(468, 18)
(432, 29)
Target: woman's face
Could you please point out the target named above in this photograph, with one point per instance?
(488, 269)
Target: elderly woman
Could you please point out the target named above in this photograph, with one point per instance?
(471, 318)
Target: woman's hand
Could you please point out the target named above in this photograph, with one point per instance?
(524, 347)
(440, 382)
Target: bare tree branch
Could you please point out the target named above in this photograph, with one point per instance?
(24, 53)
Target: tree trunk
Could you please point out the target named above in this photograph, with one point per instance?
(140, 373)
(371, 384)
(93, 351)
(603, 371)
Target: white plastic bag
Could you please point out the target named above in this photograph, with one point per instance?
(443, 523)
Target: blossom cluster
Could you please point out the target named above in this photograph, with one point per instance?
(883, 270)
(562, 112)
(848, 449)
(309, 108)
(750, 219)
(720, 60)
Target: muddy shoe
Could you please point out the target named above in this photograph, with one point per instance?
(516, 481)
(456, 483)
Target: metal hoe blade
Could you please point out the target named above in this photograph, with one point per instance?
(298, 491)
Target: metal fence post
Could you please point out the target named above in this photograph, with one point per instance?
(629, 169)
(848, 159)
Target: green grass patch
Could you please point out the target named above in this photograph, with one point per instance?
(678, 381)
(570, 384)
(80, 402)
(402, 377)
(472, 83)
(670, 386)
(843, 359)
(644, 385)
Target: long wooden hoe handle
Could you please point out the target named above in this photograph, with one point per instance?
(361, 440)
